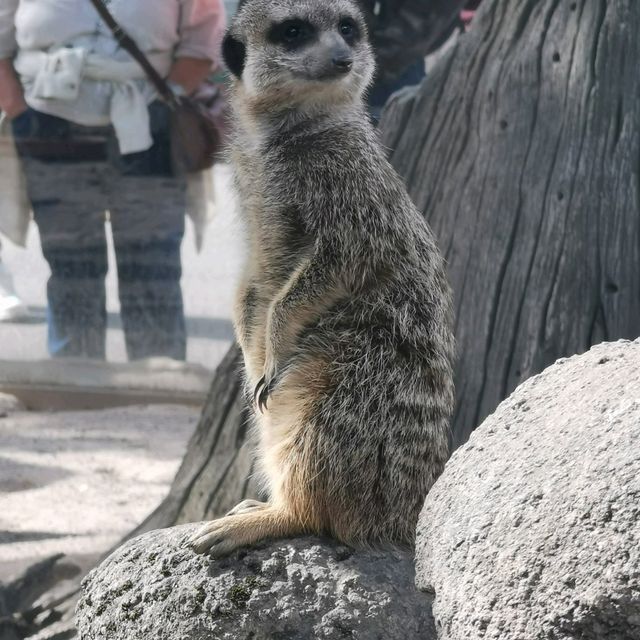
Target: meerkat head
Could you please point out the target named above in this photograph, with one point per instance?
(299, 53)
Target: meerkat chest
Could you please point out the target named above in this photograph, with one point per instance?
(276, 234)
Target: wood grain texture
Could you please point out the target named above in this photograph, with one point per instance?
(522, 151)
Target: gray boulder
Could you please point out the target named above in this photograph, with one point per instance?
(533, 530)
(154, 588)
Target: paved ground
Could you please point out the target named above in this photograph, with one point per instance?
(208, 285)
(77, 482)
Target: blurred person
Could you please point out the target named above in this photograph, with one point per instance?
(231, 6)
(450, 37)
(92, 138)
(11, 306)
(402, 33)
(468, 13)
(14, 223)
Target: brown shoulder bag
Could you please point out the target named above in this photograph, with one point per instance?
(197, 122)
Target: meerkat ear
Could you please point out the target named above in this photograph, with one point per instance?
(233, 54)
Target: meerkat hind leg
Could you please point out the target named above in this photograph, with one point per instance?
(220, 537)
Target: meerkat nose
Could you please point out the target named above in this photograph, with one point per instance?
(342, 63)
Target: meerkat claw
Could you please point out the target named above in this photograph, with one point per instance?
(203, 543)
(259, 386)
(219, 538)
(262, 401)
(201, 540)
(263, 398)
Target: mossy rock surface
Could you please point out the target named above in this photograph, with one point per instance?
(154, 587)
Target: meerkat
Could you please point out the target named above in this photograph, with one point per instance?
(344, 312)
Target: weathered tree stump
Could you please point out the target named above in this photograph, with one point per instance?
(522, 150)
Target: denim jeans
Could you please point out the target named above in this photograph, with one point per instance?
(75, 175)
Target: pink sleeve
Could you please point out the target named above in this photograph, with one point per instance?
(202, 25)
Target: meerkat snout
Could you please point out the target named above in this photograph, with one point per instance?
(341, 59)
(342, 63)
(332, 56)
(298, 52)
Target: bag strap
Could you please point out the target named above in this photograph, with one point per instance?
(128, 44)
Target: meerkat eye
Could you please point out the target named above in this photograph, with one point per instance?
(346, 28)
(349, 29)
(291, 33)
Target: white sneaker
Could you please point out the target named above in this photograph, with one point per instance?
(11, 307)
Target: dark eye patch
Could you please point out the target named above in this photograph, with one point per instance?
(292, 34)
(349, 30)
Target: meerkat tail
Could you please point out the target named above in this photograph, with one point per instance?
(221, 537)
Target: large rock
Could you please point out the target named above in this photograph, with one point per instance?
(533, 530)
(153, 588)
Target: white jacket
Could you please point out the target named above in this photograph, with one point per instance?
(15, 209)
